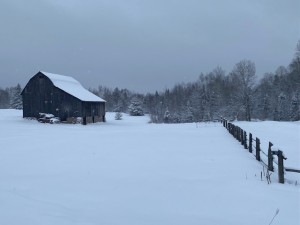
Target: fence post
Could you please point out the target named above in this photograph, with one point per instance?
(233, 130)
(257, 154)
(250, 142)
(270, 158)
(242, 136)
(280, 167)
(245, 139)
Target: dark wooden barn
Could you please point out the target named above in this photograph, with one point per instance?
(62, 96)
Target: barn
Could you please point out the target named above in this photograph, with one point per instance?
(62, 96)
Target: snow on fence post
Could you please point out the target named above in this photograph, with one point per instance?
(257, 153)
(280, 167)
(250, 142)
(270, 158)
(245, 139)
(281, 157)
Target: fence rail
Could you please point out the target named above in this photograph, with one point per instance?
(241, 136)
(292, 170)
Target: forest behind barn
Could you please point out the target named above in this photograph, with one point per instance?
(238, 94)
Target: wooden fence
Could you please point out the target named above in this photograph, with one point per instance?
(253, 146)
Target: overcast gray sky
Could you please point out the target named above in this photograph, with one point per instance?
(143, 45)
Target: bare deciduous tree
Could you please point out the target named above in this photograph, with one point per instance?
(243, 75)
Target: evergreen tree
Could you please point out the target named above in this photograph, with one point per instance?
(4, 99)
(135, 108)
(167, 116)
(295, 109)
(16, 98)
(282, 113)
(118, 116)
(188, 114)
(176, 118)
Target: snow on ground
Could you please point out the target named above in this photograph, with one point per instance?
(132, 172)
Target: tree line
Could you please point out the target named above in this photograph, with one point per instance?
(234, 95)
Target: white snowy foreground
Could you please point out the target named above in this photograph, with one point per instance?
(130, 172)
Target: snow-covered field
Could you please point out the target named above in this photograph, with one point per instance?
(132, 172)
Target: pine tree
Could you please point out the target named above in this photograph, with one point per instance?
(16, 98)
(266, 107)
(167, 116)
(281, 107)
(188, 114)
(295, 109)
(176, 118)
(135, 108)
(118, 116)
(4, 99)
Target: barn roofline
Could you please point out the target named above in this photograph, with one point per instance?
(74, 83)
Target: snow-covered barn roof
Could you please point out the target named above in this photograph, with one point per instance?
(72, 87)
